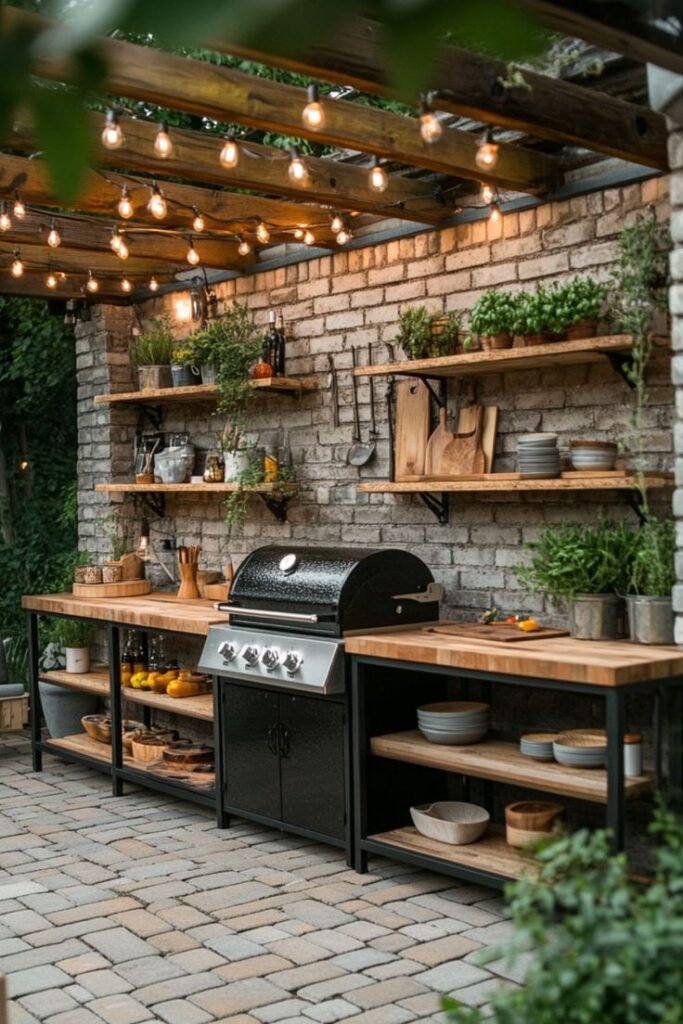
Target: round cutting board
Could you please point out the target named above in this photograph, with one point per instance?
(128, 588)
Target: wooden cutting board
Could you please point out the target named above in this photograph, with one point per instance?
(500, 632)
(129, 588)
(467, 422)
(436, 444)
(412, 428)
(465, 454)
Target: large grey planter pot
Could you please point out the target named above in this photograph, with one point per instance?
(63, 709)
(650, 620)
(209, 373)
(596, 617)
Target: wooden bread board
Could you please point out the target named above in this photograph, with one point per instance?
(127, 588)
(501, 632)
(412, 427)
(467, 422)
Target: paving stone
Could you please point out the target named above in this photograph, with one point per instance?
(238, 997)
(18, 1015)
(254, 967)
(322, 990)
(385, 992)
(333, 1010)
(300, 951)
(79, 1016)
(318, 914)
(335, 940)
(235, 947)
(451, 947)
(451, 976)
(480, 994)
(308, 974)
(148, 970)
(173, 942)
(360, 959)
(119, 1009)
(23, 922)
(142, 923)
(49, 1002)
(179, 1011)
(177, 988)
(36, 979)
(104, 982)
(384, 1015)
(83, 963)
(119, 945)
(394, 969)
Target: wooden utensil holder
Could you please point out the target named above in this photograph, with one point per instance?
(188, 590)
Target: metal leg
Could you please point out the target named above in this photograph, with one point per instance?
(36, 707)
(359, 772)
(113, 644)
(676, 744)
(616, 804)
(658, 738)
(222, 819)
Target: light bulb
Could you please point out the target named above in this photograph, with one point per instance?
(262, 233)
(309, 238)
(494, 213)
(230, 153)
(344, 236)
(54, 239)
(125, 206)
(163, 145)
(153, 284)
(92, 284)
(198, 222)
(112, 136)
(313, 114)
(157, 204)
(298, 172)
(337, 223)
(486, 156)
(19, 208)
(115, 240)
(51, 280)
(487, 193)
(377, 180)
(299, 232)
(431, 129)
(244, 248)
(192, 256)
(17, 266)
(5, 219)
(123, 250)
(126, 286)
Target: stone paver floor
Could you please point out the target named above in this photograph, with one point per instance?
(133, 910)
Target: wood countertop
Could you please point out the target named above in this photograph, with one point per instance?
(151, 611)
(596, 663)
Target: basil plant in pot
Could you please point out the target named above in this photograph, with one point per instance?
(151, 354)
(493, 319)
(586, 569)
(650, 608)
(584, 302)
(423, 335)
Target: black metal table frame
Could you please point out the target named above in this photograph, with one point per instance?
(614, 698)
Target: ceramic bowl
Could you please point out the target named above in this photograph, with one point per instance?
(454, 739)
(451, 821)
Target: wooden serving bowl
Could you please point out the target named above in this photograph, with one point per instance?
(150, 746)
(533, 815)
(186, 752)
(98, 727)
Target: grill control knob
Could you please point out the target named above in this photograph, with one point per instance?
(292, 662)
(270, 658)
(250, 654)
(227, 651)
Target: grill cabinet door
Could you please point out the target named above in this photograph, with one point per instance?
(312, 764)
(252, 764)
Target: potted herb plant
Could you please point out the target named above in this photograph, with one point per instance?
(184, 372)
(151, 353)
(423, 335)
(493, 319)
(586, 569)
(62, 706)
(584, 299)
(75, 637)
(541, 316)
(650, 610)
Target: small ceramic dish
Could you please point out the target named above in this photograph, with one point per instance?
(451, 821)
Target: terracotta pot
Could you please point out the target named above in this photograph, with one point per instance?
(151, 378)
(495, 341)
(584, 329)
(550, 336)
(528, 340)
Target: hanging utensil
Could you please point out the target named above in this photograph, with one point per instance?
(373, 425)
(358, 453)
(334, 387)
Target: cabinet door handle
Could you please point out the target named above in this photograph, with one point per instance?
(284, 740)
(272, 742)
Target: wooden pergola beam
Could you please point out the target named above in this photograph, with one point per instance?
(32, 286)
(228, 95)
(470, 84)
(79, 262)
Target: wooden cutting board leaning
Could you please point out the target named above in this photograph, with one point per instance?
(412, 428)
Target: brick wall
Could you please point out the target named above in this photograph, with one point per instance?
(676, 307)
(354, 298)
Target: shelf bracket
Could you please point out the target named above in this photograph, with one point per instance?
(276, 504)
(635, 500)
(156, 503)
(438, 505)
(438, 396)
(622, 364)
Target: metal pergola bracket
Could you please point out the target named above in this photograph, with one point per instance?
(622, 364)
(439, 505)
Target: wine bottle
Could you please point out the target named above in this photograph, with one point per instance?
(272, 340)
(280, 350)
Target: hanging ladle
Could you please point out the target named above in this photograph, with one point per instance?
(359, 453)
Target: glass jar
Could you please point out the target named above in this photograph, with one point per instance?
(214, 468)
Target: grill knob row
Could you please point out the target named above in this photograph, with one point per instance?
(292, 662)
(227, 651)
(250, 654)
(271, 657)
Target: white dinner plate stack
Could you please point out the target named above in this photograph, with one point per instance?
(538, 456)
(455, 723)
(581, 748)
(538, 745)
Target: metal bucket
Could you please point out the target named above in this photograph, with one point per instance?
(596, 617)
(650, 619)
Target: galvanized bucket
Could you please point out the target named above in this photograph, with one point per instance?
(596, 617)
(650, 619)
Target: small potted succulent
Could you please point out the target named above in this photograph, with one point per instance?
(151, 353)
(650, 610)
(493, 319)
(423, 335)
(585, 300)
(184, 372)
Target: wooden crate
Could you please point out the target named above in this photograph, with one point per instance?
(13, 713)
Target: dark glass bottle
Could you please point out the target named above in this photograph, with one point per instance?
(280, 349)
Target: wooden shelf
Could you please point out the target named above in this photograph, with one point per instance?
(508, 486)
(97, 682)
(503, 762)
(206, 392)
(490, 854)
(226, 488)
(468, 364)
(84, 746)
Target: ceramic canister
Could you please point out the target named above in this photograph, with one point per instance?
(633, 754)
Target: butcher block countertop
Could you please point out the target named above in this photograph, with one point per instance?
(594, 662)
(151, 611)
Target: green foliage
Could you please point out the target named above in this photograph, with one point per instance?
(584, 299)
(553, 309)
(155, 346)
(423, 334)
(570, 560)
(237, 501)
(606, 950)
(653, 573)
(493, 313)
(75, 633)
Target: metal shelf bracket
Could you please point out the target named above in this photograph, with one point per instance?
(439, 505)
(622, 364)
(156, 503)
(276, 504)
(635, 500)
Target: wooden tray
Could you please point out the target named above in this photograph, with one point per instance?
(128, 588)
(501, 632)
(463, 476)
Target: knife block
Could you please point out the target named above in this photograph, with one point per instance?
(188, 589)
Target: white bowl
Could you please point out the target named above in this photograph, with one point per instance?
(454, 739)
(451, 821)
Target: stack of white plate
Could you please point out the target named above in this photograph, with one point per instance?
(456, 723)
(538, 456)
(538, 745)
(581, 748)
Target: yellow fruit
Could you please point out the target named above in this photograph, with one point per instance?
(136, 679)
(183, 688)
(159, 684)
(146, 683)
(529, 625)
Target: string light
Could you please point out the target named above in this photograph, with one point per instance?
(115, 240)
(17, 265)
(5, 219)
(163, 144)
(431, 128)
(377, 178)
(112, 136)
(299, 232)
(344, 236)
(54, 239)
(262, 233)
(19, 208)
(486, 156)
(157, 204)
(313, 114)
(123, 251)
(92, 284)
(298, 172)
(198, 222)
(487, 193)
(126, 286)
(192, 256)
(337, 223)
(230, 153)
(494, 212)
(309, 238)
(153, 284)
(125, 206)
(244, 248)
(51, 280)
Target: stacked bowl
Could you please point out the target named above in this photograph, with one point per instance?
(538, 456)
(538, 745)
(581, 748)
(455, 723)
(595, 456)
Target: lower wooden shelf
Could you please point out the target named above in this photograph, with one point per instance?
(499, 761)
(97, 682)
(491, 854)
(508, 486)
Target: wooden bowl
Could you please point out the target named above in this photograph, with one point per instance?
(150, 746)
(522, 838)
(186, 752)
(98, 727)
(533, 815)
(593, 738)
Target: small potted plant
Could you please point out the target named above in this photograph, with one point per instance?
(75, 637)
(586, 569)
(584, 299)
(650, 611)
(541, 316)
(151, 353)
(424, 336)
(493, 319)
(184, 372)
